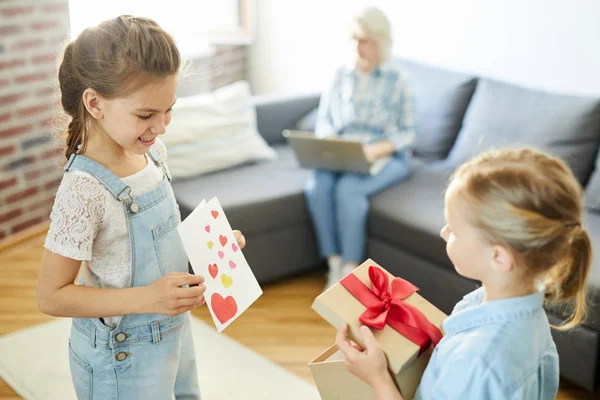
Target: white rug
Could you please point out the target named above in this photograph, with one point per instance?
(35, 363)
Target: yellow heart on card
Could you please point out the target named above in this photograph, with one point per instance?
(226, 280)
(210, 245)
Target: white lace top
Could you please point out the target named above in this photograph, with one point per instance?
(89, 224)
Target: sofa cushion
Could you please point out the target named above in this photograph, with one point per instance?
(275, 113)
(592, 190)
(309, 121)
(410, 215)
(441, 100)
(258, 198)
(218, 128)
(502, 115)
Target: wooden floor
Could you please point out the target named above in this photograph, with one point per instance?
(280, 325)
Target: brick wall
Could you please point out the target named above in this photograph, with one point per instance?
(231, 65)
(224, 65)
(31, 35)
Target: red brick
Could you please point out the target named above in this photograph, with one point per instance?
(31, 175)
(53, 184)
(32, 77)
(5, 117)
(45, 91)
(46, 203)
(220, 50)
(64, 6)
(10, 215)
(27, 44)
(44, 25)
(27, 224)
(11, 12)
(29, 111)
(4, 82)
(6, 150)
(8, 30)
(44, 59)
(5, 184)
(11, 98)
(17, 130)
(11, 64)
(21, 195)
(53, 153)
(60, 40)
(234, 65)
(47, 122)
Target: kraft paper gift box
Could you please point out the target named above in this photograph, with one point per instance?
(384, 305)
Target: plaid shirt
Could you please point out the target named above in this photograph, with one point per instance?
(373, 107)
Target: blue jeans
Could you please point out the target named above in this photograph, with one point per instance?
(339, 203)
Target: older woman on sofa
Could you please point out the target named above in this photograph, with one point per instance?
(370, 99)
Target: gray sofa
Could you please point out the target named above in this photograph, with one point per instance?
(457, 116)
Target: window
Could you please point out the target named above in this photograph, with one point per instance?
(192, 23)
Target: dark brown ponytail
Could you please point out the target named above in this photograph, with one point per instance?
(113, 58)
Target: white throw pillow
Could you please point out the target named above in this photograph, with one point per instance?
(214, 131)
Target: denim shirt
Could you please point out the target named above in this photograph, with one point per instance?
(372, 107)
(501, 349)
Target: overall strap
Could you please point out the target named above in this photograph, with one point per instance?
(157, 160)
(112, 183)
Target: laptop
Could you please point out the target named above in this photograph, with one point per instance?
(333, 153)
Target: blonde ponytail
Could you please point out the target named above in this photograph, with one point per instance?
(567, 281)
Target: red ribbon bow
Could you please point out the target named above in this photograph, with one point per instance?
(385, 305)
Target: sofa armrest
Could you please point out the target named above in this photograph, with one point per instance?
(276, 113)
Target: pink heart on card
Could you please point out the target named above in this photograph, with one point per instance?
(234, 247)
(207, 228)
(232, 265)
(221, 254)
(215, 214)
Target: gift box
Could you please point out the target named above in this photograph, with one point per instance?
(405, 325)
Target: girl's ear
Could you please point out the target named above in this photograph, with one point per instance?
(502, 259)
(93, 103)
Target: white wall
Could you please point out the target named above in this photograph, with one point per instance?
(547, 44)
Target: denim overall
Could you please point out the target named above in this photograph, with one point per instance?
(147, 356)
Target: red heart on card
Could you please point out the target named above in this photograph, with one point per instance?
(223, 240)
(207, 228)
(213, 270)
(215, 214)
(234, 247)
(224, 308)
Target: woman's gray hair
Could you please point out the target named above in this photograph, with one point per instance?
(372, 23)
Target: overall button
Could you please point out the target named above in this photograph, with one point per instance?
(121, 356)
(120, 337)
(134, 208)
